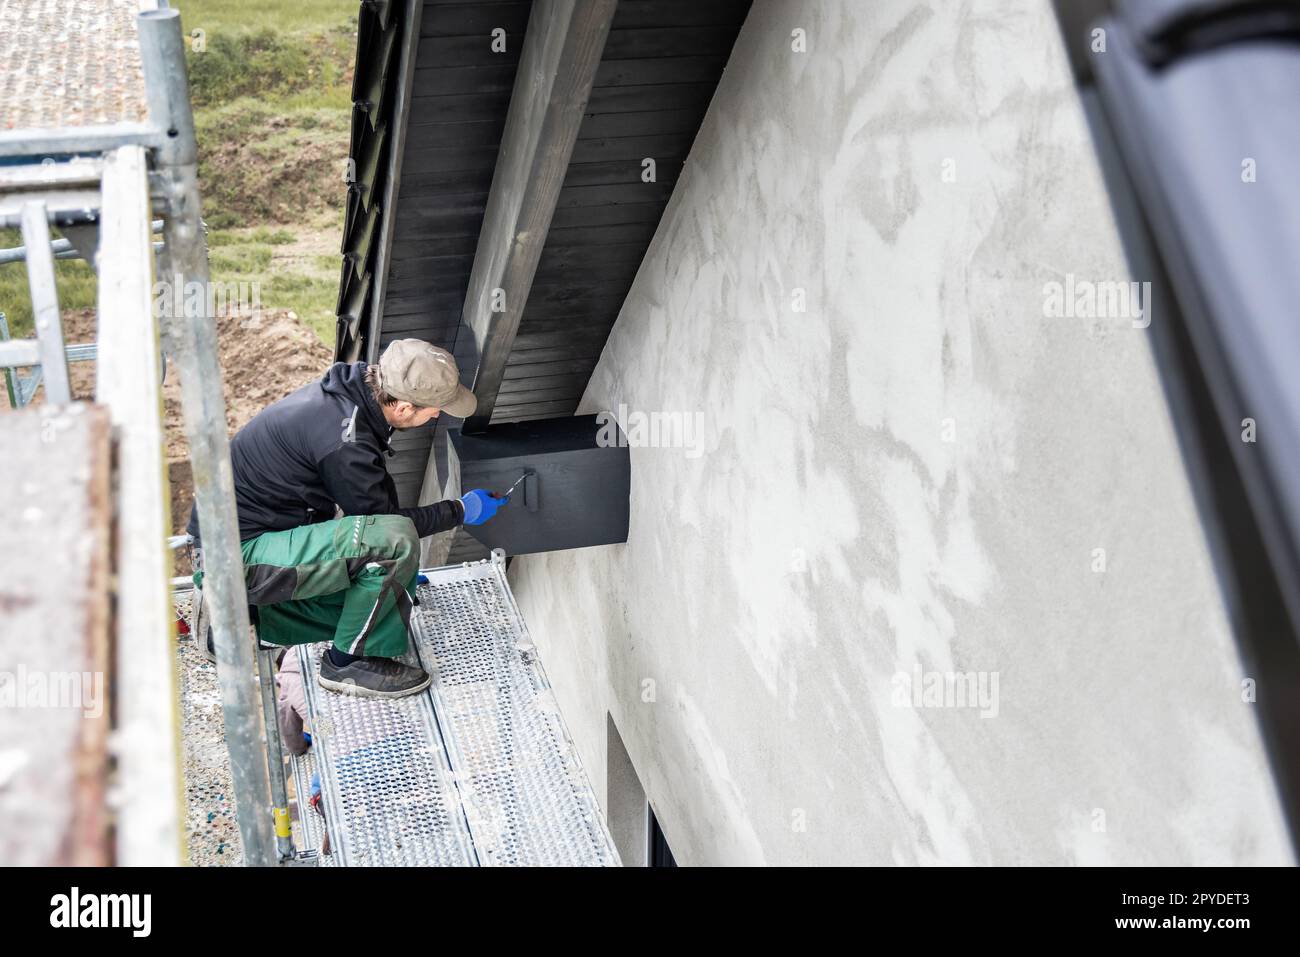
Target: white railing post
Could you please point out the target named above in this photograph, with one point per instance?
(192, 338)
(45, 302)
(149, 797)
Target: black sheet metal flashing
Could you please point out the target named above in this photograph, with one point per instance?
(574, 492)
(374, 94)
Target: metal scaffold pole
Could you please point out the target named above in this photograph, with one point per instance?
(192, 337)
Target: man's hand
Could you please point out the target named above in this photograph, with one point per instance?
(480, 505)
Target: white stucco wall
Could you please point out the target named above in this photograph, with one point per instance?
(829, 538)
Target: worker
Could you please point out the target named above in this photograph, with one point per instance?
(348, 580)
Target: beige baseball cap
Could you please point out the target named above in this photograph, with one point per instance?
(425, 375)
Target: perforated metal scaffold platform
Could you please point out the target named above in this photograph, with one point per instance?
(477, 770)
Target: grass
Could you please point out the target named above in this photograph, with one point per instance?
(270, 81)
(313, 298)
(271, 84)
(271, 166)
(270, 65)
(262, 235)
(250, 16)
(74, 279)
(248, 259)
(291, 271)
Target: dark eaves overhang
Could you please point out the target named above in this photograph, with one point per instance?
(501, 208)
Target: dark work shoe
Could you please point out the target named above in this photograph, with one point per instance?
(372, 677)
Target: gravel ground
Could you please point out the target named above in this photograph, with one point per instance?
(212, 829)
(212, 832)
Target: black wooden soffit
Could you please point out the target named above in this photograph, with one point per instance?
(560, 55)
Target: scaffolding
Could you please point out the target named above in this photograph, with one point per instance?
(97, 162)
(478, 770)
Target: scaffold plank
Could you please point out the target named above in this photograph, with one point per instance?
(479, 769)
(54, 708)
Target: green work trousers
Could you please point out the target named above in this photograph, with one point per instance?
(349, 581)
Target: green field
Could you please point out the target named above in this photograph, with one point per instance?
(271, 93)
(76, 282)
(270, 82)
(283, 16)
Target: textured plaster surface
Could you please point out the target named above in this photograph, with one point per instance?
(913, 473)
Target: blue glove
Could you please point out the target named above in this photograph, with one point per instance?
(480, 505)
